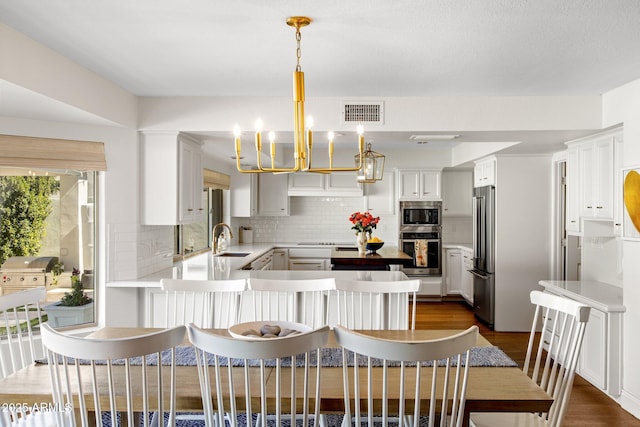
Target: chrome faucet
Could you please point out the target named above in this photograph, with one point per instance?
(214, 237)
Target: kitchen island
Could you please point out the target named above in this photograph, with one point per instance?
(145, 300)
(348, 258)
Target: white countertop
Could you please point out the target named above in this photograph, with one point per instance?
(206, 266)
(599, 295)
(462, 245)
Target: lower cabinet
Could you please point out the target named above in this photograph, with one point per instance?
(453, 266)
(592, 365)
(308, 264)
(309, 259)
(466, 278)
(600, 360)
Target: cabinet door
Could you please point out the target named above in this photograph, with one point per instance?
(243, 197)
(586, 156)
(618, 210)
(484, 173)
(593, 357)
(466, 278)
(273, 199)
(306, 182)
(280, 259)
(343, 183)
(573, 190)
(457, 193)
(603, 185)
(189, 183)
(409, 185)
(307, 264)
(430, 185)
(453, 266)
(381, 196)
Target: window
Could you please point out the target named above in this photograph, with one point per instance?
(196, 236)
(48, 222)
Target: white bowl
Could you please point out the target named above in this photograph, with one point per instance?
(236, 331)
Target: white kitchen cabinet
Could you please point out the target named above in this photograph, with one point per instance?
(453, 267)
(415, 184)
(573, 190)
(273, 199)
(318, 184)
(600, 360)
(280, 259)
(308, 264)
(457, 193)
(243, 195)
(380, 197)
(172, 180)
(593, 356)
(618, 205)
(310, 259)
(466, 278)
(484, 173)
(596, 177)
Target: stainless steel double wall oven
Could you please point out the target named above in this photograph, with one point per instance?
(421, 221)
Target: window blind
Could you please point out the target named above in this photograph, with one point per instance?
(216, 180)
(32, 152)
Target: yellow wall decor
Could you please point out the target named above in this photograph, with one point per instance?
(632, 202)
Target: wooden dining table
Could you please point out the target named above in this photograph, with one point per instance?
(490, 389)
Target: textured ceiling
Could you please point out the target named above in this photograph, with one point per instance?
(353, 48)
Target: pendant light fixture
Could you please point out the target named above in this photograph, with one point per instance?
(303, 136)
(372, 166)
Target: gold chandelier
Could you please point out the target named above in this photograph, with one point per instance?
(303, 144)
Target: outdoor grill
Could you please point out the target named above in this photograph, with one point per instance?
(24, 272)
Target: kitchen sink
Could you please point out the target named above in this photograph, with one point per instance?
(346, 248)
(234, 254)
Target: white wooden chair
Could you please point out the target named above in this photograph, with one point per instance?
(20, 321)
(207, 303)
(302, 301)
(110, 383)
(259, 353)
(556, 357)
(402, 368)
(377, 305)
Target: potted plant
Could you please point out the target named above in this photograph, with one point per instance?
(74, 308)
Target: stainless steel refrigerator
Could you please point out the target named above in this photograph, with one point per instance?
(483, 253)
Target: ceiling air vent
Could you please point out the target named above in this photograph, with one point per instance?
(363, 112)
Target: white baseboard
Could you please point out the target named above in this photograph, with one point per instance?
(630, 403)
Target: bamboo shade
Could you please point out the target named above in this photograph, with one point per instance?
(31, 152)
(216, 180)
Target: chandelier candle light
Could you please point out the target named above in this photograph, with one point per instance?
(302, 153)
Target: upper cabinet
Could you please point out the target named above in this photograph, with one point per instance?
(319, 184)
(416, 184)
(273, 199)
(171, 179)
(380, 197)
(593, 165)
(457, 193)
(259, 194)
(484, 173)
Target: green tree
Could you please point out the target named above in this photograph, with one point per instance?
(25, 204)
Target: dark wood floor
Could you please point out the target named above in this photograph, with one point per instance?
(588, 405)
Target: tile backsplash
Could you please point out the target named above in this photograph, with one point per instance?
(316, 219)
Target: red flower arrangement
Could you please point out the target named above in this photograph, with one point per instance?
(363, 222)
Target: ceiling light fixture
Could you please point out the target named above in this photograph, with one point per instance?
(302, 152)
(372, 166)
(433, 137)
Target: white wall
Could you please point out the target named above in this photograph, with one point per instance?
(523, 237)
(622, 105)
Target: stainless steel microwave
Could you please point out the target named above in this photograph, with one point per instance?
(420, 213)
